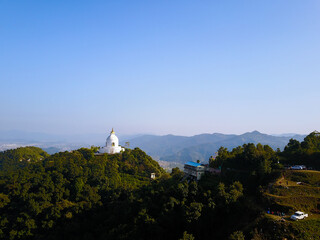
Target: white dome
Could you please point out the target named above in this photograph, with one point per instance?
(112, 145)
(112, 140)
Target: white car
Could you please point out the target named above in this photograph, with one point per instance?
(296, 168)
(299, 215)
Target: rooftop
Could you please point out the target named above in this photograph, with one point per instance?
(193, 164)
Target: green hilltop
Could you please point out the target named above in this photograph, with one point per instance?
(20, 157)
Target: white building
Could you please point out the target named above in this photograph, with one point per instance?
(112, 145)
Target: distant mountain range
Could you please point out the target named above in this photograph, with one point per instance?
(168, 148)
(180, 149)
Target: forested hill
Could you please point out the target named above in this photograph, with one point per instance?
(39, 192)
(20, 157)
(78, 195)
(200, 147)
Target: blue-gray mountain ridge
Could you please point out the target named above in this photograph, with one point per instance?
(180, 149)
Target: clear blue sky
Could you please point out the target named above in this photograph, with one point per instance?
(180, 67)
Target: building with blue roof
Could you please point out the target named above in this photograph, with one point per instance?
(194, 170)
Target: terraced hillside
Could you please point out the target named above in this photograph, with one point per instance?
(293, 191)
(296, 190)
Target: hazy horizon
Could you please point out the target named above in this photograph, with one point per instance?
(168, 67)
(142, 133)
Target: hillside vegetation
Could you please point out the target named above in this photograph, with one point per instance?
(46, 191)
(79, 195)
(20, 157)
(296, 190)
(293, 191)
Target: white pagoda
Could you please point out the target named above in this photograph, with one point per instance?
(112, 145)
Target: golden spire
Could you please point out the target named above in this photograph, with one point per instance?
(112, 132)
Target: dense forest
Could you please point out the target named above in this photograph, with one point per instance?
(79, 195)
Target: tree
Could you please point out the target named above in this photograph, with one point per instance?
(4, 200)
(88, 154)
(238, 235)
(223, 154)
(311, 143)
(193, 212)
(187, 236)
(292, 146)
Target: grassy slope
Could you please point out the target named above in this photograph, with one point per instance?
(295, 190)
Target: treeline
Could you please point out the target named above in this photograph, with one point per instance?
(305, 153)
(251, 164)
(260, 162)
